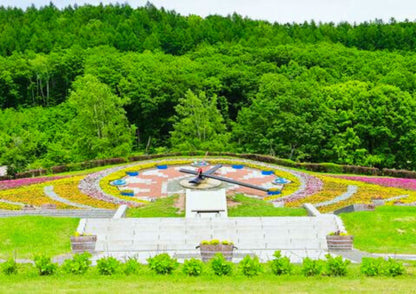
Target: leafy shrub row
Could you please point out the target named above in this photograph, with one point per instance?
(163, 264)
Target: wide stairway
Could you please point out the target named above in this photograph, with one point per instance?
(143, 237)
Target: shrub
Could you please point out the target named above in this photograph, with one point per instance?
(78, 265)
(220, 266)
(9, 267)
(214, 242)
(281, 265)
(336, 266)
(250, 266)
(131, 266)
(44, 265)
(162, 264)
(372, 266)
(193, 267)
(108, 266)
(393, 268)
(311, 267)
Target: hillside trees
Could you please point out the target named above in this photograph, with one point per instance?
(100, 127)
(198, 124)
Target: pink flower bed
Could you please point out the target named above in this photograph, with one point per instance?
(9, 184)
(386, 182)
(311, 185)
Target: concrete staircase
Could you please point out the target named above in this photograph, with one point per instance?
(297, 236)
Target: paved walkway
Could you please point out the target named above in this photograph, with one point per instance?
(12, 202)
(351, 190)
(77, 213)
(51, 194)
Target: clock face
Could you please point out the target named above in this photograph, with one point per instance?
(168, 180)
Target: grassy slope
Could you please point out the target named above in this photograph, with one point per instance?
(389, 229)
(146, 282)
(26, 236)
(162, 207)
(255, 207)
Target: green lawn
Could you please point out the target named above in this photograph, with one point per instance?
(26, 236)
(388, 229)
(256, 207)
(163, 207)
(146, 282)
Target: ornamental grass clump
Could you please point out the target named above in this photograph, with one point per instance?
(162, 264)
(108, 266)
(281, 264)
(221, 266)
(311, 267)
(9, 267)
(336, 266)
(192, 267)
(250, 266)
(44, 265)
(78, 265)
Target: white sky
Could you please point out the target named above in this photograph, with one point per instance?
(281, 11)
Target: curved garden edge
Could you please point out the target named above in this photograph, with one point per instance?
(90, 185)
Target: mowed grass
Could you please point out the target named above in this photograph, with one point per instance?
(26, 236)
(163, 207)
(388, 229)
(28, 281)
(256, 207)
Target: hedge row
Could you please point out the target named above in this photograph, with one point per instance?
(316, 167)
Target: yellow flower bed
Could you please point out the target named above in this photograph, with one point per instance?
(334, 187)
(9, 206)
(33, 195)
(68, 188)
(113, 190)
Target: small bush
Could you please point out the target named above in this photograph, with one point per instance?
(131, 266)
(193, 267)
(163, 264)
(372, 267)
(311, 267)
(44, 265)
(9, 267)
(393, 268)
(250, 267)
(336, 266)
(108, 266)
(281, 265)
(220, 266)
(78, 265)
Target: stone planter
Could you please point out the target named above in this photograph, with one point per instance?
(80, 244)
(337, 242)
(48, 206)
(377, 201)
(208, 251)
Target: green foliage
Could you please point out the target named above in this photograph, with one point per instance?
(336, 266)
(372, 266)
(220, 266)
(378, 266)
(199, 124)
(108, 266)
(131, 266)
(9, 267)
(311, 267)
(250, 266)
(280, 264)
(394, 268)
(78, 265)
(44, 265)
(162, 264)
(192, 267)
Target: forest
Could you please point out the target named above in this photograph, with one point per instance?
(89, 82)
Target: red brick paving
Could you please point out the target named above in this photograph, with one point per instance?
(155, 188)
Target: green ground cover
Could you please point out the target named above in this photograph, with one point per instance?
(388, 229)
(28, 281)
(26, 236)
(256, 207)
(163, 207)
